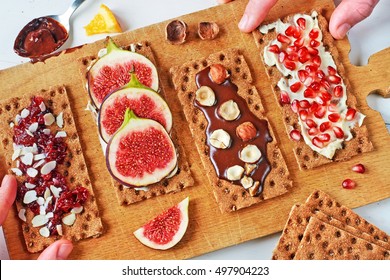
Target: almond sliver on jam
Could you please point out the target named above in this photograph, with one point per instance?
(311, 83)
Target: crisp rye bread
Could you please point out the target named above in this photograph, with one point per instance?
(306, 157)
(182, 179)
(88, 222)
(230, 197)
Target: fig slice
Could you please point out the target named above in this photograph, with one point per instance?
(141, 152)
(112, 71)
(167, 229)
(143, 101)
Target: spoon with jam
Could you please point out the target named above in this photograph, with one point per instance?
(44, 35)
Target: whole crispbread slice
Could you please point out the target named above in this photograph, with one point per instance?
(88, 222)
(183, 177)
(322, 241)
(230, 197)
(305, 156)
(295, 227)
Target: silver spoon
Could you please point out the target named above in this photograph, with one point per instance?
(43, 35)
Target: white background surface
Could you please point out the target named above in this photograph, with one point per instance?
(366, 38)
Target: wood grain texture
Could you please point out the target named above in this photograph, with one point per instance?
(208, 229)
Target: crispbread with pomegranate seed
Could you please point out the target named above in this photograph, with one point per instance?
(183, 177)
(306, 157)
(229, 196)
(322, 241)
(74, 169)
(295, 227)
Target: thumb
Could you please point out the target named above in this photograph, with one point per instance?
(349, 13)
(7, 196)
(255, 13)
(59, 250)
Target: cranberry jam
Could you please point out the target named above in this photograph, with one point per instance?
(46, 151)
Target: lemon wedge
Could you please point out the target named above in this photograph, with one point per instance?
(103, 22)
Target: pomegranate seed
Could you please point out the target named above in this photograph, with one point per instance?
(295, 135)
(312, 69)
(325, 126)
(313, 107)
(315, 86)
(359, 168)
(331, 71)
(284, 97)
(317, 142)
(312, 131)
(314, 43)
(325, 137)
(283, 39)
(320, 113)
(350, 114)
(301, 23)
(334, 117)
(290, 30)
(303, 115)
(338, 91)
(334, 79)
(309, 93)
(292, 56)
(311, 124)
(297, 34)
(308, 81)
(326, 96)
(299, 42)
(348, 184)
(320, 74)
(333, 106)
(313, 34)
(295, 106)
(295, 87)
(325, 84)
(312, 51)
(291, 49)
(303, 55)
(282, 56)
(338, 132)
(302, 75)
(320, 100)
(290, 65)
(304, 104)
(317, 60)
(274, 49)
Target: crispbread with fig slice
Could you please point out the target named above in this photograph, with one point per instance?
(230, 196)
(181, 179)
(308, 158)
(74, 169)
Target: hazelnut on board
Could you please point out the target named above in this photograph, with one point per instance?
(176, 32)
(218, 73)
(207, 30)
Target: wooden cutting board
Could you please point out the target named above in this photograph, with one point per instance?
(208, 230)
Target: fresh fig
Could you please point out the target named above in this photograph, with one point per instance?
(112, 71)
(143, 101)
(167, 229)
(141, 152)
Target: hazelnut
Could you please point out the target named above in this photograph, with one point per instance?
(234, 172)
(249, 168)
(229, 110)
(205, 96)
(246, 131)
(254, 189)
(250, 154)
(176, 32)
(208, 30)
(246, 182)
(218, 73)
(220, 139)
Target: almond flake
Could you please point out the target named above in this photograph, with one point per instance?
(60, 134)
(42, 210)
(27, 159)
(17, 118)
(11, 124)
(32, 172)
(40, 200)
(33, 127)
(46, 194)
(25, 113)
(29, 197)
(48, 200)
(59, 229)
(26, 150)
(17, 171)
(34, 149)
(44, 231)
(55, 191)
(48, 167)
(69, 219)
(39, 157)
(30, 186)
(60, 120)
(49, 119)
(22, 214)
(49, 215)
(29, 133)
(39, 163)
(46, 131)
(16, 154)
(77, 210)
(42, 106)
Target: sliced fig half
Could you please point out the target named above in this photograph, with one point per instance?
(167, 229)
(112, 71)
(141, 152)
(143, 101)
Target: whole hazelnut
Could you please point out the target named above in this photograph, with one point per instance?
(246, 131)
(218, 73)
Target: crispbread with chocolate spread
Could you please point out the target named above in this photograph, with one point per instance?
(183, 177)
(308, 158)
(74, 168)
(230, 196)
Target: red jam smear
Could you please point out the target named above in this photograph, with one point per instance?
(55, 149)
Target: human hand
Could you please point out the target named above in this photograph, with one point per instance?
(347, 14)
(59, 250)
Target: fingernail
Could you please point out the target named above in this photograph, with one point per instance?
(343, 29)
(243, 22)
(64, 251)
